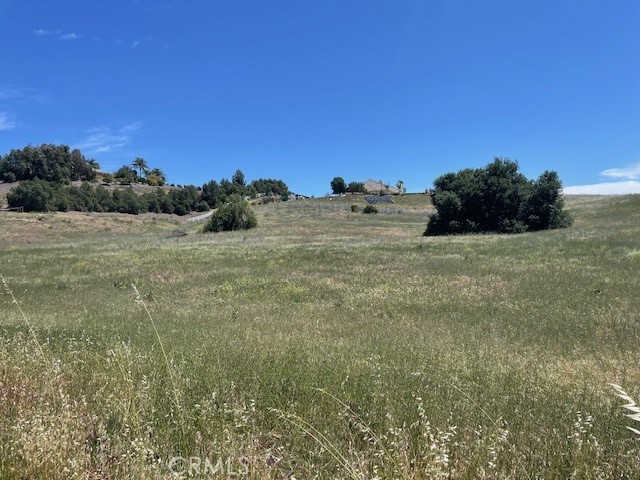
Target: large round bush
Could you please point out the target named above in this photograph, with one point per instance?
(236, 215)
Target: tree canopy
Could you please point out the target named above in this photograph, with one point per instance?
(45, 170)
(216, 193)
(356, 187)
(338, 185)
(496, 198)
(52, 163)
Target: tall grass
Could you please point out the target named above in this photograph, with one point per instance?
(631, 406)
(320, 345)
(22, 314)
(176, 393)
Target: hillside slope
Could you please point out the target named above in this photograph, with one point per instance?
(493, 352)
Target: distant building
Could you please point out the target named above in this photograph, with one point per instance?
(378, 187)
(297, 196)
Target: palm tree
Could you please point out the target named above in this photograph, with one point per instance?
(141, 164)
(93, 164)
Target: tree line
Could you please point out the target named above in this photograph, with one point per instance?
(41, 196)
(45, 171)
(51, 163)
(339, 186)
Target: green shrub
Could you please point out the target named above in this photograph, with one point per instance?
(202, 206)
(36, 196)
(126, 175)
(370, 209)
(236, 215)
(355, 208)
(126, 201)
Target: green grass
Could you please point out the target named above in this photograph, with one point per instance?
(323, 342)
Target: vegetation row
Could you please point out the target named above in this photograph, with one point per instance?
(46, 171)
(496, 198)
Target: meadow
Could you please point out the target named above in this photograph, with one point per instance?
(322, 344)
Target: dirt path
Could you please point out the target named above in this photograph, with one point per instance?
(200, 218)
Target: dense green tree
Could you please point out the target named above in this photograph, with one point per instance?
(81, 168)
(230, 188)
(269, 186)
(104, 200)
(127, 201)
(238, 178)
(202, 206)
(338, 185)
(159, 201)
(496, 198)
(216, 194)
(14, 167)
(545, 205)
(53, 163)
(184, 199)
(79, 199)
(356, 187)
(213, 194)
(125, 175)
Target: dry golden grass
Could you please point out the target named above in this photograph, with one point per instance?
(322, 344)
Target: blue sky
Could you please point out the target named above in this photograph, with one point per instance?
(307, 90)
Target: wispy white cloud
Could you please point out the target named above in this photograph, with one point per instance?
(131, 127)
(152, 8)
(5, 122)
(70, 36)
(101, 140)
(166, 6)
(107, 140)
(21, 95)
(143, 41)
(630, 172)
(41, 32)
(139, 42)
(605, 188)
(11, 97)
(9, 93)
(628, 182)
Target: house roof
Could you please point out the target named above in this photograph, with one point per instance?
(377, 186)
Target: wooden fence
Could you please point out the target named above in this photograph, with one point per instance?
(12, 209)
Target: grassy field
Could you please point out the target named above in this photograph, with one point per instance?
(322, 344)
